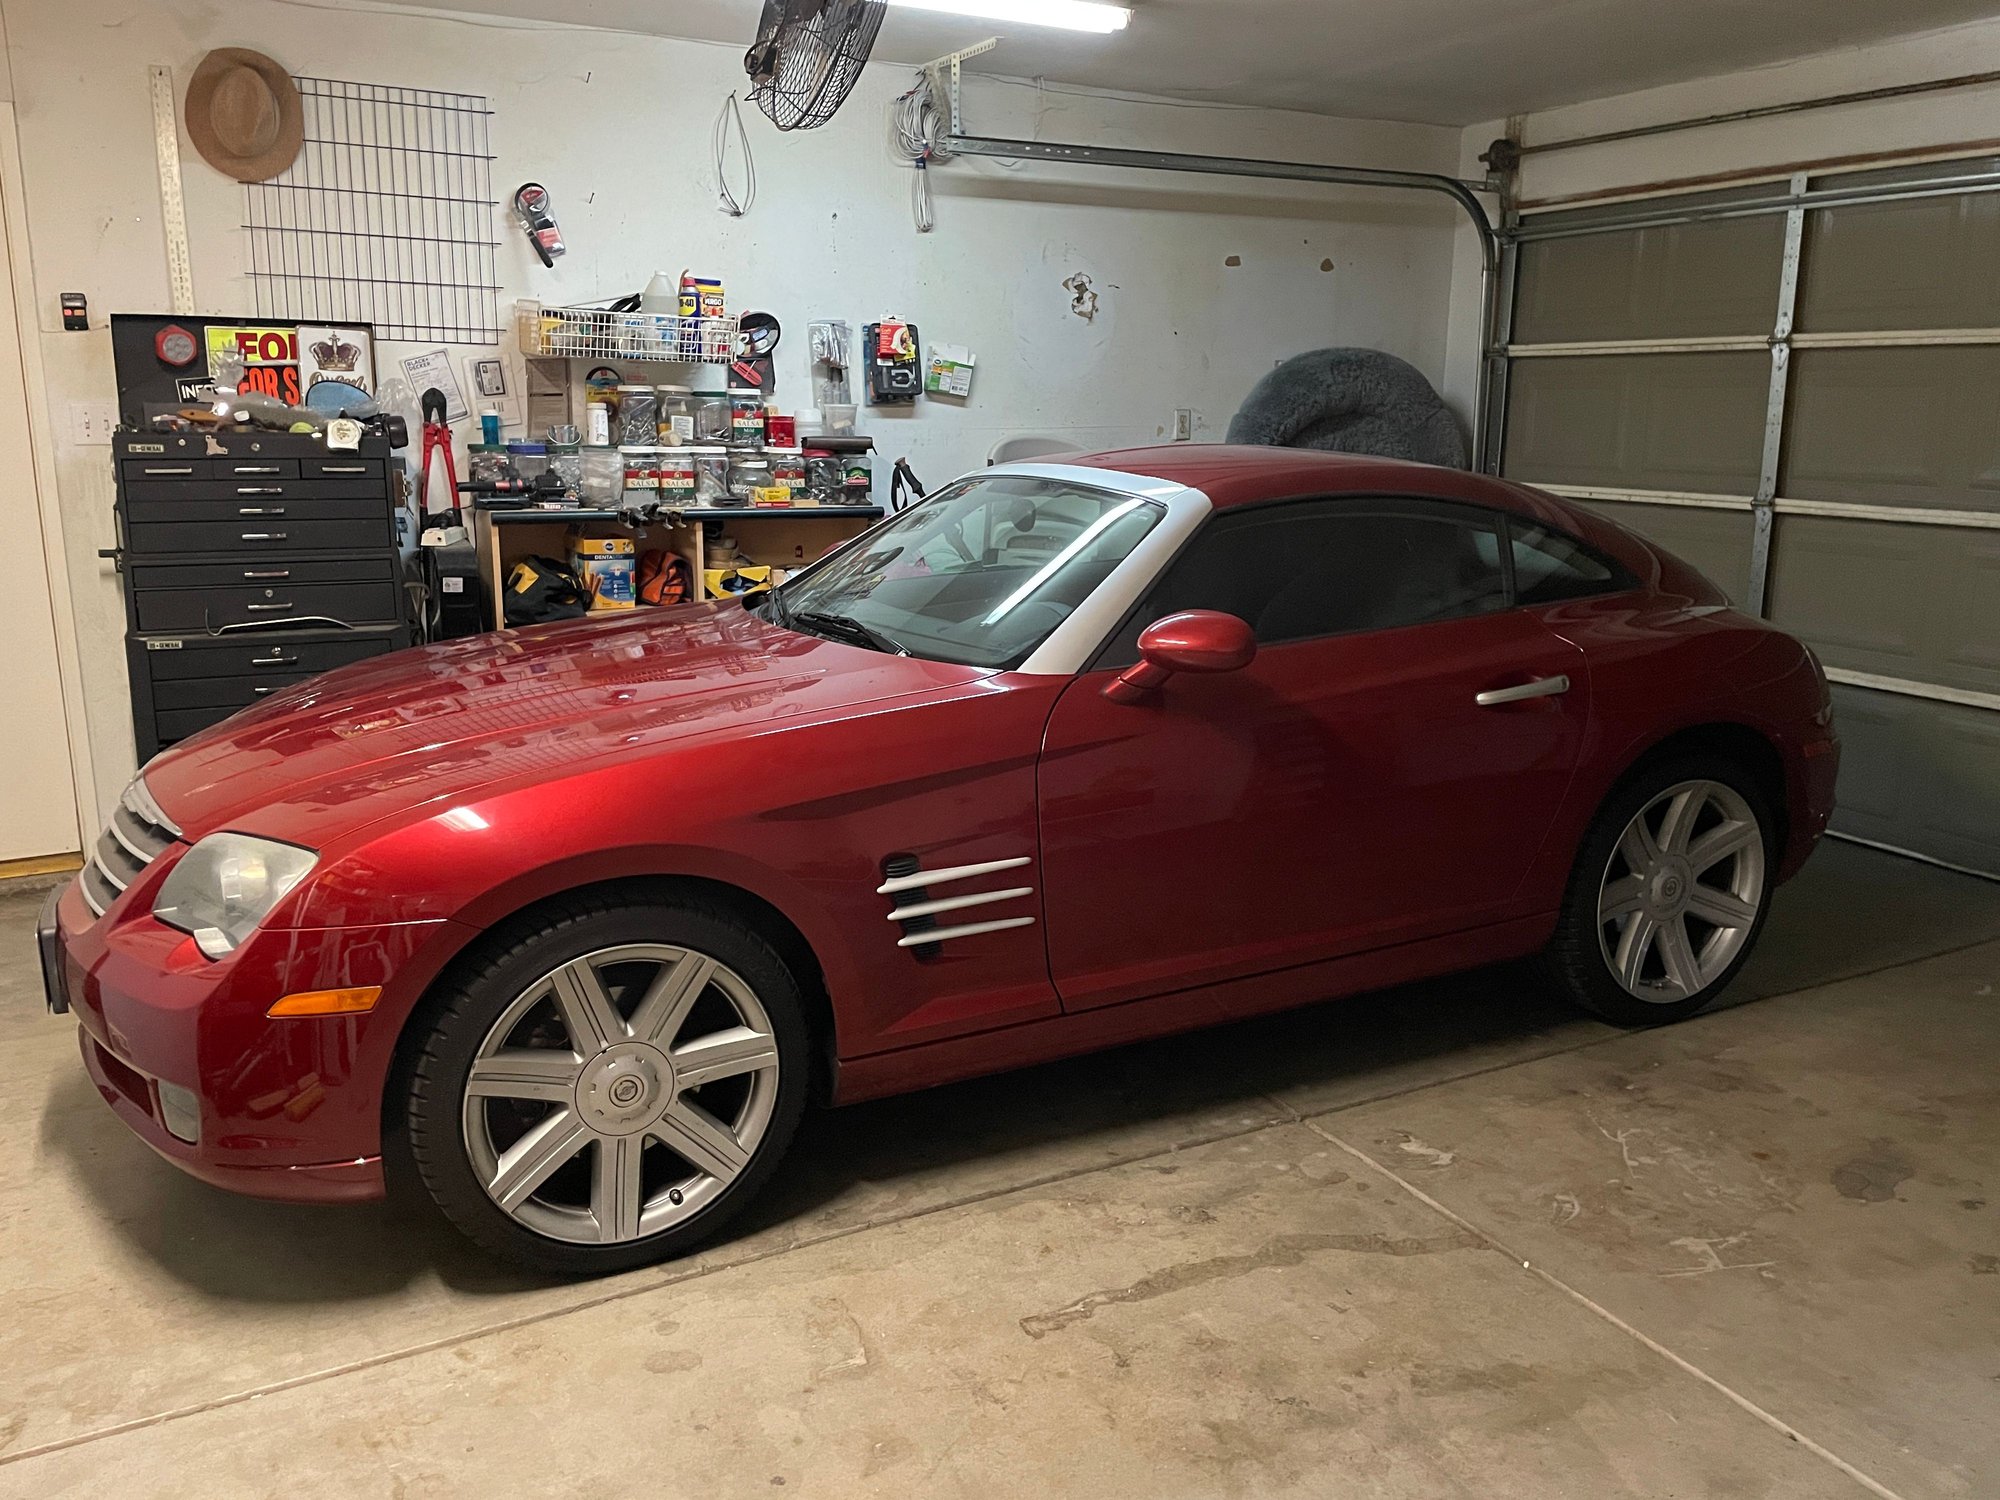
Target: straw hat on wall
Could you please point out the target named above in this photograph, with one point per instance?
(243, 114)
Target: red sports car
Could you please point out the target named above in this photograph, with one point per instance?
(571, 922)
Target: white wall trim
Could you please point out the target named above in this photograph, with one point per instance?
(42, 476)
(1904, 687)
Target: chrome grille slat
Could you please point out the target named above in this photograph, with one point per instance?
(94, 899)
(137, 834)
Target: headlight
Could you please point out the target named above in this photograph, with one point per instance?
(226, 884)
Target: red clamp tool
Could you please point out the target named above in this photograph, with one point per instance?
(437, 436)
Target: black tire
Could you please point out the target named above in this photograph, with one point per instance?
(462, 1016)
(1577, 957)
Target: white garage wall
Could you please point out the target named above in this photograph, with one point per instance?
(618, 127)
(1919, 123)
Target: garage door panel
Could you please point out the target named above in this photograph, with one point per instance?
(1717, 542)
(1917, 427)
(1915, 263)
(1895, 599)
(1687, 422)
(1671, 281)
(1918, 774)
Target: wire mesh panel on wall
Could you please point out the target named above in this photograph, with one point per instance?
(387, 216)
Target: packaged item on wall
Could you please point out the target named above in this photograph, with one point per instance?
(950, 372)
(604, 567)
(638, 416)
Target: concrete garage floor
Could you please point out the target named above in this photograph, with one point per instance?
(1450, 1240)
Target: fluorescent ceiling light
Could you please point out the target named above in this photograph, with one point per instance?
(1071, 15)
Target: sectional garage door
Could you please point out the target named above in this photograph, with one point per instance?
(1796, 387)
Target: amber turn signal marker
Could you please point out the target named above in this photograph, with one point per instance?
(328, 1002)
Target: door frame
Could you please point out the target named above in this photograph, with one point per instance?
(42, 477)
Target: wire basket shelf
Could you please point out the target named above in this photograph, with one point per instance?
(386, 217)
(598, 333)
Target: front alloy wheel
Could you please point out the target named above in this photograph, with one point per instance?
(607, 1083)
(620, 1094)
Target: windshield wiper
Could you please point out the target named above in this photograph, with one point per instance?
(849, 629)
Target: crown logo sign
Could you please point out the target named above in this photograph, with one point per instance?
(336, 353)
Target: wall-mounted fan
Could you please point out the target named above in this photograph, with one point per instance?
(807, 55)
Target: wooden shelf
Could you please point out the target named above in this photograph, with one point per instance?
(528, 515)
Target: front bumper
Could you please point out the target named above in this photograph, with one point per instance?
(288, 1109)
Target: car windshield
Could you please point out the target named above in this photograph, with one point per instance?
(980, 573)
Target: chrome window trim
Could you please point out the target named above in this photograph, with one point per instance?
(1068, 648)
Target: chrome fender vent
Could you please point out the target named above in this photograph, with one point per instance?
(916, 910)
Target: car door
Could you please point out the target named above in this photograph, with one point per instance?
(1349, 789)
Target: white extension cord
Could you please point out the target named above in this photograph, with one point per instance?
(918, 127)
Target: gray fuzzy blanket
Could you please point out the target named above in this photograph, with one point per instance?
(1351, 401)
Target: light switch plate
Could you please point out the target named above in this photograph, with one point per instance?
(91, 422)
(1183, 424)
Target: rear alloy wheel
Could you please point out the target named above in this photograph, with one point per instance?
(1672, 882)
(610, 1101)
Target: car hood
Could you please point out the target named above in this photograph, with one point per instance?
(437, 723)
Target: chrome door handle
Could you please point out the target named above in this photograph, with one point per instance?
(1541, 687)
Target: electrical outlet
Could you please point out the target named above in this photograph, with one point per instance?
(91, 422)
(1183, 424)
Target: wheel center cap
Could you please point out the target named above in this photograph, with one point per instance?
(624, 1088)
(1667, 893)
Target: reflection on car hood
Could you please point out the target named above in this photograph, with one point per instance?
(437, 722)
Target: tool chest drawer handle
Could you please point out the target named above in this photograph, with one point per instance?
(343, 468)
(256, 469)
(264, 609)
(150, 470)
(260, 489)
(260, 510)
(265, 536)
(275, 659)
(267, 572)
(262, 688)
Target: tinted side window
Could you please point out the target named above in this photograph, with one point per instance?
(1549, 566)
(1312, 569)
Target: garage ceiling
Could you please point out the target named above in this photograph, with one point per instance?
(1447, 62)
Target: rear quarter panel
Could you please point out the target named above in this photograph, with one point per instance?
(1660, 665)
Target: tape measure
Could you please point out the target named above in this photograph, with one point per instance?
(173, 212)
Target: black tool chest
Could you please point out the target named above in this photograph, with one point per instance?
(250, 560)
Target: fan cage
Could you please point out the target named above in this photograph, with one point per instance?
(808, 56)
